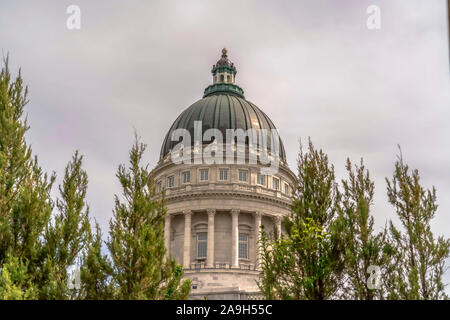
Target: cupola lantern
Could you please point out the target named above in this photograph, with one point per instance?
(224, 70)
(224, 75)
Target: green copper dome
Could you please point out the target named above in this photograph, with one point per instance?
(223, 107)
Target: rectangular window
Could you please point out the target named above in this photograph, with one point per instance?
(260, 179)
(243, 246)
(158, 186)
(186, 177)
(203, 174)
(223, 174)
(170, 182)
(276, 183)
(286, 188)
(243, 175)
(201, 245)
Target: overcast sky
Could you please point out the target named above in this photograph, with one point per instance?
(313, 66)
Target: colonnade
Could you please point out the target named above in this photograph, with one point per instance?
(210, 236)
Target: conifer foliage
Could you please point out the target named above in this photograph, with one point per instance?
(363, 246)
(331, 247)
(136, 242)
(307, 262)
(35, 250)
(40, 238)
(418, 263)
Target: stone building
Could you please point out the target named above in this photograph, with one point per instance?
(215, 211)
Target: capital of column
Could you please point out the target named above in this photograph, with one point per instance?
(211, 212)
(258, 215)
(187, 213)
(277, 219)
(235, 212)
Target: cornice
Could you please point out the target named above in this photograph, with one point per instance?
(214, 194)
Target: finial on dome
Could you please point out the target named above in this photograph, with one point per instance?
(224, 52)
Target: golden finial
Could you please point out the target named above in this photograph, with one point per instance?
(224, 52)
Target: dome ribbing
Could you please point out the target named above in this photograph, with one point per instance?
(223, 107)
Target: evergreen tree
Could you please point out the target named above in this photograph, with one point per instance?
(418, 263)
(363, 247)
(136, 241)
(96, 270)
(34, 252)
(292, 266)
(69, 233)
(307, 263)
(25, 203)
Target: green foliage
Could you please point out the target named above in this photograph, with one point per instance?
(283, 276)
(330, 240)
(95, 270)
(25, 203)
(40, 242)
(68, 235)
(363, 247)
(418, 263)
(40, 238)
(136, 239)
(307, 263)
(15, 282)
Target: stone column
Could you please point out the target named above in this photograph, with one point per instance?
(258, 217)
(234, 238)
(277, 220)
(187, 238)
(167, 233)
(210, 244)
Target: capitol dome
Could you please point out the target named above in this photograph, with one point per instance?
(222, 107)
(216, 210)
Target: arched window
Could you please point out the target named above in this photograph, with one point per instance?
(222, 78)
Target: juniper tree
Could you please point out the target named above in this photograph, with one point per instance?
(25, 203)
(68, 234)
(418, 263)
(39, 249)
(307, 262)
(292, 266)
(136, 238)
(363, 247)
(96, 270)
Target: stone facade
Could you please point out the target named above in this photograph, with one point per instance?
(230, 211)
